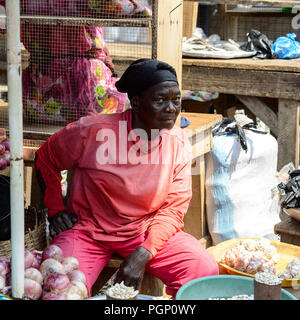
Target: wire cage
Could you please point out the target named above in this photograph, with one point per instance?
(72, 54)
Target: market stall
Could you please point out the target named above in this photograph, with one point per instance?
(56, 277)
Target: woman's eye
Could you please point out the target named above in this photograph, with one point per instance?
(176, 100)
(159, 100)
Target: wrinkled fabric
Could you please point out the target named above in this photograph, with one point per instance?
(70, 88)
(119, 199)
(143, 74)
(182, 258)
(70, 72)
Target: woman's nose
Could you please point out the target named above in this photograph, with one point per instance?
(171, 107)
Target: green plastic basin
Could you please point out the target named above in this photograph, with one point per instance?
(221, 286)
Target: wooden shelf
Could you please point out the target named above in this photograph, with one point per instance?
(81, 21)
(259, 12)
(276, 65)
(272, 3)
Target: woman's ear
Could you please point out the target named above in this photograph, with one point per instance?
(135, 103)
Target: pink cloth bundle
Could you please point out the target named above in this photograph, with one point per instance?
(70, 88)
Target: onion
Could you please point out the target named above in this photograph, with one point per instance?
(7, 291)
(57, 281)
(37, 259)
(6, 262)
(52, 252)
(28, 259)
(6, 156)
(55, 296)
(2, 283)
(32, 289)
(77, 275)
(34, 274)
(82, 287)
(3, 163)
(6, 144)
(2, 148)
(3, 269)
(70, 264)
(74, 293)
(49, 266)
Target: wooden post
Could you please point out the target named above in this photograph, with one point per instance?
(190, 13)
(262, 111)
(168, 33)
(288, 132)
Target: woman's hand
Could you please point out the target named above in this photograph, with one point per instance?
(60, 222)
(132, 269)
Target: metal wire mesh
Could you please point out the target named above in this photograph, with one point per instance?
(72, 52)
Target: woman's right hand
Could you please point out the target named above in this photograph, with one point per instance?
(60, 222)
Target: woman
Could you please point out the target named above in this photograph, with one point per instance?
(131, 186)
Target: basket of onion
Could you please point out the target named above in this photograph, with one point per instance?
(48, 275)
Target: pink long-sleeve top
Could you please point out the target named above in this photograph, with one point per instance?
(122, 186)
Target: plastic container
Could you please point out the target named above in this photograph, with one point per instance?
(221, 286)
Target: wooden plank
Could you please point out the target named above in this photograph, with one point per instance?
(283, 65)
(199, 132)
(288, 132)
(81, 21)
(168, 33)
(27, 185)
(262, 111)
(131, 51)
(206, 241)
(190, 14)
(201, 121)
(275, 3)
(259, 12)
(204, 227)
(289, 231)
(232, 27)
(273, 84)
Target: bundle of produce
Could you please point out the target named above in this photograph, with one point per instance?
(4, 154)
(292, 270)
(48, 276)
(252, 256)
(120, 291)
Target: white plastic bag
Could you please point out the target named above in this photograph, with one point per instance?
(240, 197)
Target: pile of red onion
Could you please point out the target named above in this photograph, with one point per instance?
(4, 154)
(48, 276)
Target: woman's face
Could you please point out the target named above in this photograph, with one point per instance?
(157, 107)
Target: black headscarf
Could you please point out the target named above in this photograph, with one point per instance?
(143, 74)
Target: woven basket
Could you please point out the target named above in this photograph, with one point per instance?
(35, 232)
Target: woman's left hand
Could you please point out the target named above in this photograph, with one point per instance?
(132, 269)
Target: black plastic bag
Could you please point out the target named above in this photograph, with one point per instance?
(229, 126)
(290, 191)
(257, 41)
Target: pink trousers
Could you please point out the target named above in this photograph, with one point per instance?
(180, 260)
